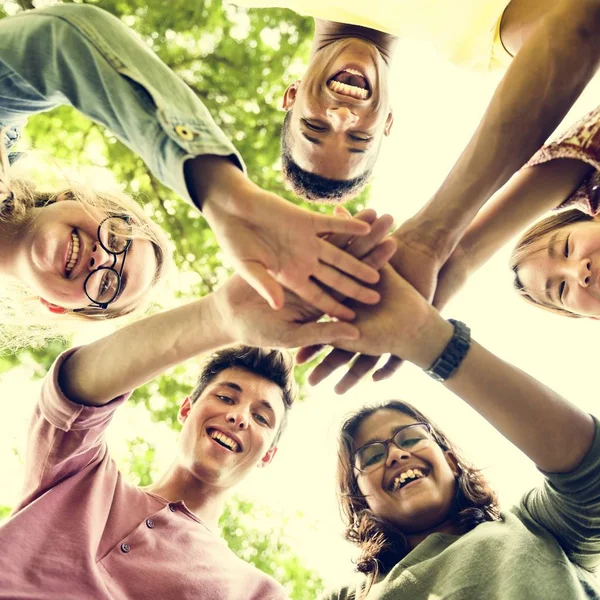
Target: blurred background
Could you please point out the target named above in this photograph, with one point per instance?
(285, 518)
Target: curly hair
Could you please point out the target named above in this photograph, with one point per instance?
(524, 250)
(382, 543)
(315, 188)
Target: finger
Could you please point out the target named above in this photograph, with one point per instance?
(382, 253)
(391, 366)
(361, 366)
(362, 245)
(331, 224)
(322, 333)
(334, 360)
(345, 285)
(305, 353)
(316, 296)
(345, 262)
(342, 240)
(258, 277)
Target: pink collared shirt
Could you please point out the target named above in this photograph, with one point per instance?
(82, 533)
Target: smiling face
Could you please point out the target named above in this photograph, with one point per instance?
(230, 428)
(562, 270)
(59, 248)
(339, 110)
(416, 507)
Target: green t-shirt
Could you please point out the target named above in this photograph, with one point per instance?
(544, 548)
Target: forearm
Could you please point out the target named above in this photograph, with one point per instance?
(546, 77)
(551, 431)
(134, 355)
(531, 193)
(83, 56)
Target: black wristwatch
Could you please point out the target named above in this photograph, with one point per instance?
(453, 354)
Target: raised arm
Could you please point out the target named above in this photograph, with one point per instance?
(551, 431)
(531, 193)
(550, 70)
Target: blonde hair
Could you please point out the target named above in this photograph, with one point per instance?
(24, 322)
(525, 249)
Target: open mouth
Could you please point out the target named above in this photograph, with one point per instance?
(72, 252)
(408, 476)
(350, 82)
(224, 440)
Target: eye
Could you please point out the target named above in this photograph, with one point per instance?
(225, 399)
(358, 138)
(561, 290)
(104, 284)
(262, 420)
(410, 442)
(313, 126)
(566, 250)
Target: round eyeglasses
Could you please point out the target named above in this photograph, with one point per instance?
(410, 437)
(102, 286)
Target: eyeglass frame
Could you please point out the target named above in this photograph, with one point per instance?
(390, 440)
(115, 255)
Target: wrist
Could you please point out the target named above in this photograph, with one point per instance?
(214, 182)
(428, 341)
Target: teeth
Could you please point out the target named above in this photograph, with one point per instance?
(354, 72)
(74, 252)
(221, 437)
(403, 477)
(348, 90)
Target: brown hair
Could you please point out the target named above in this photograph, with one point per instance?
(524, 250)
(382, 543)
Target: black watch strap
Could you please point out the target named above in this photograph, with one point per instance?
(453, 354)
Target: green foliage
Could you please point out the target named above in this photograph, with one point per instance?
(4, 512)
(257, 535)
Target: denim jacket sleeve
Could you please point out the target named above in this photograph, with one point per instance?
(86, 57)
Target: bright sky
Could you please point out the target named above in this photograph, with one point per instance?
(436, 109)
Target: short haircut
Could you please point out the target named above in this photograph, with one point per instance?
(273, 365)
(313, 187)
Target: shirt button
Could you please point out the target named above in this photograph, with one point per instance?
(125, 548)
(172, 507)
(185, 133)
(150, 523)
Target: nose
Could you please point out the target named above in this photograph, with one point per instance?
(581, 271)
(341, 117)
(395, 455)
(99, 257)
(238, 418)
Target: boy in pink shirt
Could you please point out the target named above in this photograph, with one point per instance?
(82, 532)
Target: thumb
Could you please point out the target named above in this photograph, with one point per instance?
(259, 278)
(328, 332)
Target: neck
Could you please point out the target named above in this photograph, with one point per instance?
(327, 32)
(205, 501)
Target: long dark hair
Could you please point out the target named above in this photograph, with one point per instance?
(382, 543)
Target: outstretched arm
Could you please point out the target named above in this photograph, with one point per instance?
(551, 431)
(553, 66)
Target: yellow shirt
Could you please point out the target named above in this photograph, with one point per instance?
(467, 32)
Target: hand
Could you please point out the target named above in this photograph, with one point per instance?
(250, 319)
(273, 243)
(452, 277)
(418, 259)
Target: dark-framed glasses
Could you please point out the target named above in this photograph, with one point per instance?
(103, 284)
(410, 437)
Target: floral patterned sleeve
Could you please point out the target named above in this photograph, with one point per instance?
(579, 142)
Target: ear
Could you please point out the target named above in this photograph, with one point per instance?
(452, 462)
(388, 123)
(184, 410)
(289, 96)
(53, 308)
(267, 458)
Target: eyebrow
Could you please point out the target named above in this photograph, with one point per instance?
(551, 254)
